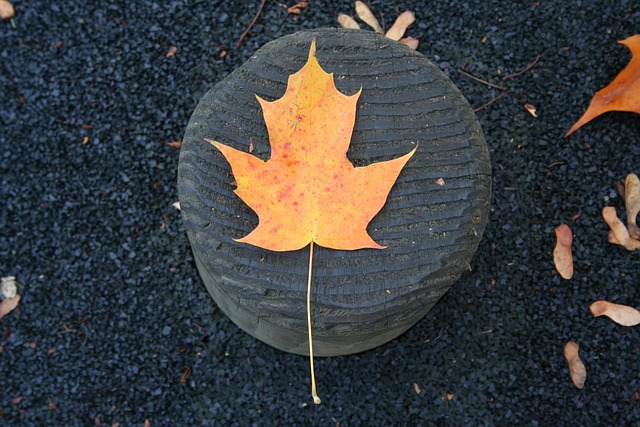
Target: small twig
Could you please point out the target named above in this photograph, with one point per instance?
(464, 73)
(506, 92)
(255, 19)
(524, 70)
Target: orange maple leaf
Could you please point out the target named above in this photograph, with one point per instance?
(309, 191)
(622, 94)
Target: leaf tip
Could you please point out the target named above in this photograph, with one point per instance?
(312, 49)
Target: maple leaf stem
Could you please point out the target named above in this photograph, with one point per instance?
(316, 399)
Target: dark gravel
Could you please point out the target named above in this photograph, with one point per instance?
(115, 325)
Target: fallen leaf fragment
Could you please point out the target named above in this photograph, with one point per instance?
(623, 94)
(346, 21)
(621, 314)
(562, 253)
(399, 27)
(531, 109)
(175, 144)
(368, 17)
(6, 10)
(576, 367)
(619, 234)
(172, 51)
(410, 41)
(632, 203)
(176, 205)
(147, 422)
(416, 388)
(8, 305)
(296, 9)
(440, 182)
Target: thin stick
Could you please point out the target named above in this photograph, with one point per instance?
(506, 92)
(480, 80)
(524, 70)
(255, 19)
(316, 399)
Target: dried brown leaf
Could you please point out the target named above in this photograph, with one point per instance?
(621, 314)
(346, 21)
(632, 203)
(410, 41)
(368, 17)
(562, 254)
(6, 10)
(576, 366)
(399, 27)
(8, 305)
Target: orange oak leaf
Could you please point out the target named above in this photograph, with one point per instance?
(309, 191)
(623, 94)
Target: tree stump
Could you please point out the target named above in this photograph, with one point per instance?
(432, 222)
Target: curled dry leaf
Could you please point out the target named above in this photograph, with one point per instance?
(346, 21)
(632, 203)
(6, 10)
(368, 17)
(562, 254)
(619, 234)
(621, 314)
(399, 27)
(8, 305)
(576, 367)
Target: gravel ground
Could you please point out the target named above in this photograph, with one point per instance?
(115, 325)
